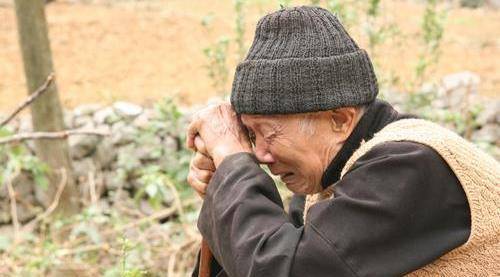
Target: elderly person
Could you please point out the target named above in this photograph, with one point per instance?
(377, 193)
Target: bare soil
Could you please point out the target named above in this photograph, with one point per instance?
(142, 51)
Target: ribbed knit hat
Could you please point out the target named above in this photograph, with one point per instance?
(302, 60)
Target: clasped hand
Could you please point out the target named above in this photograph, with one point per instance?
(214, 133)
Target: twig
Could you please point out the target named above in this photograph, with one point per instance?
(30, 99)
(60, 188)
(92, 189)
(85, 248)
(50, 135)
(160, 214)
(171, 264)
(178, 205)
(13, 205)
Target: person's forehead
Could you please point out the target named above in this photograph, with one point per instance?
(255, 120)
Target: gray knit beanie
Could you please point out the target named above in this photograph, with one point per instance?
(302, 60)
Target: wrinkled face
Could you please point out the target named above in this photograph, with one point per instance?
(296, 147)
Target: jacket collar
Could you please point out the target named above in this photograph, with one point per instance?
(377, 115)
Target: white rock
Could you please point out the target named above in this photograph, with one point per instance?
(127, 110)
(455, 88)
(106, 115)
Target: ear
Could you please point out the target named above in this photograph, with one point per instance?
(344, 121)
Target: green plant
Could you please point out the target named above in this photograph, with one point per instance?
(17, 158)
(173, 162)
(127, 270)
(284, 3)
(344, 10)
(432, 33)
(216, 55)
(217, 69)
(240, 28)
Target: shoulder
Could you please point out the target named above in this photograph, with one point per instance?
(402, 154)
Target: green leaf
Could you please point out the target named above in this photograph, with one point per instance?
(151, 190)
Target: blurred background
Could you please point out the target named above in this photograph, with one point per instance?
(109, 197)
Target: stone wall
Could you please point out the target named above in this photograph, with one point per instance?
(141, 137)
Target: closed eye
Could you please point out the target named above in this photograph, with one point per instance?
(269, 138)
(251, 136)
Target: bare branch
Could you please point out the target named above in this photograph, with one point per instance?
(13, 205)
(30, 99)
(50, 135)
(64, 179)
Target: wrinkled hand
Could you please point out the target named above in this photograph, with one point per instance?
(220, 131)
(201, 168)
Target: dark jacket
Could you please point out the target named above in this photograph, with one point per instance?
(398, 208)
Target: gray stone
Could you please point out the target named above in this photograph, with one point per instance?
(4, 212)
(82, 146)
(489, 133)
(83, 122)
(105, 153)
(86, 109)
(142, 121)
(81, 168)
(106, 115)
(26, 210)
(23, 185)
(150, 151)
(457, 87)
(111, 180)
(127, 110)
(490, 113)
(122, 133)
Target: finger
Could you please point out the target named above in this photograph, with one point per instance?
(200, 174)
(197, 185)
(204, 176)
(200, 145)
(192, 132)
(203, 162)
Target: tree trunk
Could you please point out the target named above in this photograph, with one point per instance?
(46, 110)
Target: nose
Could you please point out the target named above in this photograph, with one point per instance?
(262, 153)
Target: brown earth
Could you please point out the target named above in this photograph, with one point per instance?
(142, 51)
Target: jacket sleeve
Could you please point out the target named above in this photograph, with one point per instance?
(399, 208)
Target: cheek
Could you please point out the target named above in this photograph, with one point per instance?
(309, 174)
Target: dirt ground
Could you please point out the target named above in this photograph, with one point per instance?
(142, 51)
